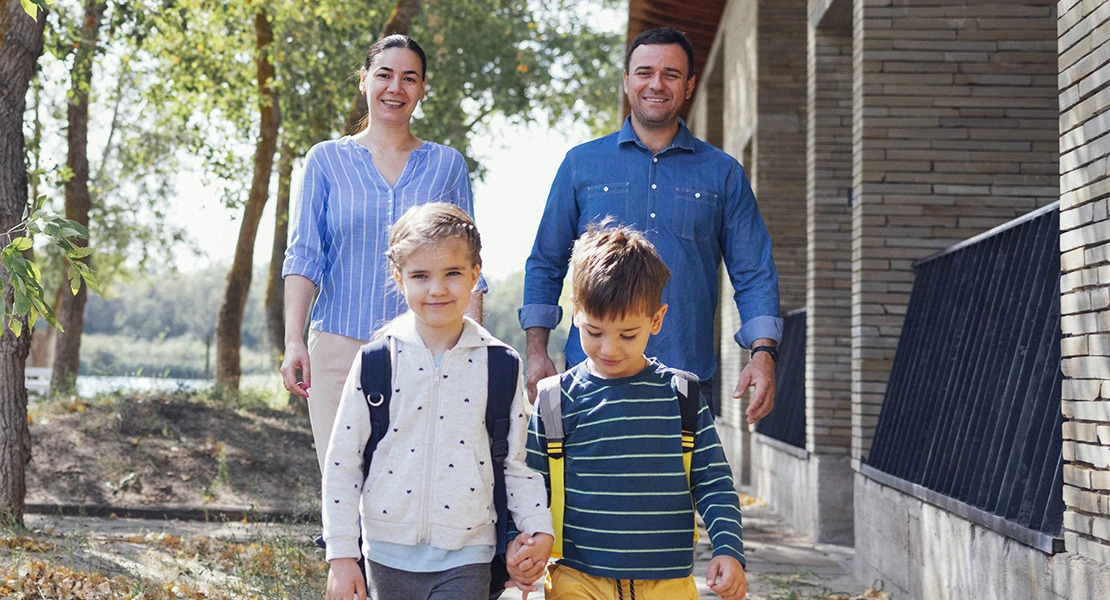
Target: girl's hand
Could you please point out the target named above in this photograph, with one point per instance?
(345, 580)
(296, 359)
(726, 578)
(527, 557)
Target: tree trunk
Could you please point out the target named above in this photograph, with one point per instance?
(229, 321)
(400, 20)
(20, 47)
(71, 314)
(275, 286)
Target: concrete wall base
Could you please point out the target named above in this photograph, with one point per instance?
(921, 552)
(813, 492)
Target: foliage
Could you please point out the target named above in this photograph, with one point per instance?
(485, 56)
(33, 7)
(28, 299)
(137, 158)
(181, 357)
(500, 316)
(183, 304)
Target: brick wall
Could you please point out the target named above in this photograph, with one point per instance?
(829, 229)
(1084, 74)
(781, 140)
(954, 132)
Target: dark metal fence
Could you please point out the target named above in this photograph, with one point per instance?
(972, 407)
(787, 422)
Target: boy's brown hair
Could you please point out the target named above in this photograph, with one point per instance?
(617, 272)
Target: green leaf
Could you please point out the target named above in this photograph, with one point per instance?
(22, 243)
(16, 326)
(79, 252)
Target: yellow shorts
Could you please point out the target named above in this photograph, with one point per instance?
(565, 583)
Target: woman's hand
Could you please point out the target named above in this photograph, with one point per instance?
(296, 359)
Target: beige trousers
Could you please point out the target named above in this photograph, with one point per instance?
(330, 358)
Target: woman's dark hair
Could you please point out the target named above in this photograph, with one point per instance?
(662, 36)
(397, 40)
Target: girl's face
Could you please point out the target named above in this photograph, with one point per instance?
(393, 85)
(436, 280)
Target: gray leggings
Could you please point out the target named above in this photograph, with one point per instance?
(468, 582)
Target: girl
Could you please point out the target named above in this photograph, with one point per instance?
(426, 504)
(354, 189)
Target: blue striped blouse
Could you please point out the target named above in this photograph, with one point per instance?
(342, 226)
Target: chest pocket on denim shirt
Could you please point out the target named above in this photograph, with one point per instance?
(695, 214)
(608, 199)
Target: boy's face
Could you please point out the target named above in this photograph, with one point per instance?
(615, 347)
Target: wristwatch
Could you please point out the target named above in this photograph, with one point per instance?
(774, 352)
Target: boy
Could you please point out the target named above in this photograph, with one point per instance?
(628, 525)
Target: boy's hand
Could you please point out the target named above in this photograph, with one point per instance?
(525, 588)
(527, 555)
(345, 580)
(726, 578)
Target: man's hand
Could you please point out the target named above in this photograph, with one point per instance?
(345, 580)
(726, 578)
(526, 559)
(539, 362)
(760, 372)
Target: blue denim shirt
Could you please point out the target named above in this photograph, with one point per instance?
(695, 203)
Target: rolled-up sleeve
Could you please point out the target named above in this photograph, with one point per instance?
(746, 247)
(305, 255)
(547, 265)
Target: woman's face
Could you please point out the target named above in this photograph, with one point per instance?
(393, 85)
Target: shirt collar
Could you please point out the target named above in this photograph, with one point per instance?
(683, 140)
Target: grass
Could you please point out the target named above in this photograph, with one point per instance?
(177, 357)
(156, 566)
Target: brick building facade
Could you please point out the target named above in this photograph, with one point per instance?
(877, 133)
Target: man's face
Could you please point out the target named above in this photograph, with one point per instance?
(657, 84)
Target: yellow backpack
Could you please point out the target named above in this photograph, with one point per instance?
(549, 401)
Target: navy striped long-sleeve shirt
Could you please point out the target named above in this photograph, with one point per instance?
(342, 227)
(629, 513)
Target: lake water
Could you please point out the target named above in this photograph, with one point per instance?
(91, 385)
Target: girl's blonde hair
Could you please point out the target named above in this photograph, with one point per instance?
(428, 224)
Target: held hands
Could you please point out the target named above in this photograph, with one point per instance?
(526, 559)
(345, 580)
(296, 359)
(726, 578)
(760, 372)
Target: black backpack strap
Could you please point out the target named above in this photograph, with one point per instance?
(504, 370)
(689, 401)
(377, 379)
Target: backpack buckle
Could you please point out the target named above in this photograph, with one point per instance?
(374, 399)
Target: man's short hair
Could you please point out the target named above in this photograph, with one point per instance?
(661, 36)
(617, 272)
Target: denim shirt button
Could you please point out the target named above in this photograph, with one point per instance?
(653, 215)
(653, 186)
(605, 189)
(697, 195)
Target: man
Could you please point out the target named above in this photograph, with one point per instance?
(696, 206)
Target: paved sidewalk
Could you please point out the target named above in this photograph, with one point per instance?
(779, 560)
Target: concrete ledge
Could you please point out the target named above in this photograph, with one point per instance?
(923, 552)
(1041, 541)
(796, 452)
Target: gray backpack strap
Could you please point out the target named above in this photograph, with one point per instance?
(549, 397)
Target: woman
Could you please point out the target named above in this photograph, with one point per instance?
(354, 189)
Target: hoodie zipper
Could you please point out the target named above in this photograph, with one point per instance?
(430, 431)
